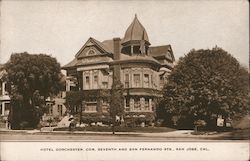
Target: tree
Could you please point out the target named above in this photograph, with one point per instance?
(32, 79)
(116, 101)
(75, 99)
(205, 84)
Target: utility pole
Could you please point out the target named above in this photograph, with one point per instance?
(82, 105)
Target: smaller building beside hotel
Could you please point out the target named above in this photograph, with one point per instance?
(4, 99)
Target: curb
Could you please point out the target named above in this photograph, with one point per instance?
(175, 134)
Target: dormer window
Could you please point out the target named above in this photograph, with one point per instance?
(91, 52)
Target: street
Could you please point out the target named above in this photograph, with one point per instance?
(179, 135)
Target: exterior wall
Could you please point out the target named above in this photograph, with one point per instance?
(71, 83)
(152, 82)
(140, 97)
(56, 107)
(4, 104)
(98, 64)
(95, 105)
(138, 104)
(90, 51)
(97, 79)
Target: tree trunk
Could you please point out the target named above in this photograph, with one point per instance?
(113, 126)
(195, 128)
(80, 114)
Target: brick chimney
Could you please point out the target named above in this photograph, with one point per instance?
(117, 48)
(116, 67)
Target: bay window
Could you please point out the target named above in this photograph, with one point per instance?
(137, 80)
(126, 84)
(146, 80)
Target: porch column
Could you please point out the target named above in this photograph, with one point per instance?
(3, 108)
(142, 103)
(131, 104)
(91, 79)
(3, 88)
(132, 50)
(150, 104)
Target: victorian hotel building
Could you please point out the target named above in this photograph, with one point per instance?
(142, 69)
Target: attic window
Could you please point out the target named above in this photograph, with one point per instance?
(169, 55)
(91, 52)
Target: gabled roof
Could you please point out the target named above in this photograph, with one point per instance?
(93, 41)
(161, 51)
(109, 45)
(107, 49)
(136, 58)
(2, 71)
(70, 64)
(1, 66)
(135, 31)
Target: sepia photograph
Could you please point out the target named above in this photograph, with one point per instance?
(124, 80)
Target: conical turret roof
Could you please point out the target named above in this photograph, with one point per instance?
(135, 31)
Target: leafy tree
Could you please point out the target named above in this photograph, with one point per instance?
(116, 101)
(32, 79)
(75, 99)
(205, 84)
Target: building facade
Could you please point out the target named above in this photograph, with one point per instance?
(4, 99)
(56, 106)
(141, 68)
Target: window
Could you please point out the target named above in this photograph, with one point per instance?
(127, 104)
(146, 80)
(105, 85)
(152, 81)
(92, 100)
(105, 105)
(137, 104)
(146, 105)
(50, 109)
(1, 109)
(105, 78)
(95, 81)
(126, 81)
(90, 107)
(137, 80)
(91, 52)
(60, 109)
(74, 109)
(0, 88)
(136, 50)
(7, 109)
(105, 101)
(87, 82)
(161, 80)
(60, 94)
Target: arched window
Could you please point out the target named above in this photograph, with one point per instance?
(91, 52)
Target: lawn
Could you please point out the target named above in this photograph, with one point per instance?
(119, 129)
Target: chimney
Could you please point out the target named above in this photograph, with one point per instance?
(116, 67)
(117, 48)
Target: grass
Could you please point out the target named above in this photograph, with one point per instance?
(240, 134)
(119, 129)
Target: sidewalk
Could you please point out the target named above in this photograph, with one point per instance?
(172, 134)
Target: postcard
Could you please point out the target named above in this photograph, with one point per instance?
(124, 80)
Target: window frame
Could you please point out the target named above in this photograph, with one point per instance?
(126, 80)
(137, 83)
(148, 80)
(91, 52)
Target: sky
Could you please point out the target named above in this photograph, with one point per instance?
(60, 28)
